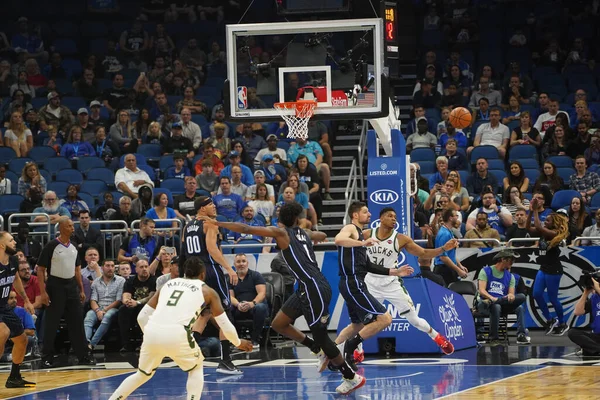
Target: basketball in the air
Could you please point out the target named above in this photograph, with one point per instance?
(460, 118)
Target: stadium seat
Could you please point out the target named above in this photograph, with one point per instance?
(527, 163)
(565, 173)
(73, 103)
(84, 164)
(7, 154)
(141, 160)
(60, 187)
(199, 119)
(10, 203)
(150, 171)
(166, 162)
(55, 164)
(47, 176)
(417, 155)
(88, 198)
(175, 185)
(16, 164)
(65, 46)
(562, 198)
(14, 181)
(464, 175)
(500, 174)
(532, 174)
(69, 175)
(150, 151)
(105, 175)
(167, 192)
(285, 146)
(248, 250)
(496, 164)
(93, 186)
(487, 152)
(595, 203)
(561, 161)
(427, 167)
(41, 153)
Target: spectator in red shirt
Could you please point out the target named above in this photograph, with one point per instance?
(30, 283)
(209, 154)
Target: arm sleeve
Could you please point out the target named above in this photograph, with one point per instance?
(376, 269)
(228, 329)
(144, 316)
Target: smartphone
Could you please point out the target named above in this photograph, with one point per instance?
(170, 250)
(142, 74)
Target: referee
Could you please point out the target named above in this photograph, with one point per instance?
(62, 294)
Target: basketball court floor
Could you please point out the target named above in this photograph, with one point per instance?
(548, 371)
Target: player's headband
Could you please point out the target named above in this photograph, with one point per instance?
(205, 202)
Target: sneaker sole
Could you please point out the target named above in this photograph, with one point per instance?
(551, 328)
(448, 353)
(229, 372)
(361, 384)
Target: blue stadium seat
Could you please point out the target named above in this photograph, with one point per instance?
(55, 164)
(500, 174)
(103, 174)
(427, 167)
(69, 175)
(47, 176)
(41, 153)
(562, 198)
(208, 100)
(149, 170)
(166, 162)
(16, 164)
(285, 146)
(65, 46)
(199, 119)
(209, 91)
(417, 155)
(167, 192)
(93, 186)
(561, 161)
(532, 174)
(595, 203)
(464, 175)
(73, 103)
(527, 163)
(10, 203)
(496, 164)
(88, 198)
(487, 152)
(98, 46)
(522, 152)
(74, 67)
(7, 154)
(14, 181)
(59, 187)
(141, 160)
(565, 173)
(91, 29)
(150, 151)
(84, 164)
(65, 29)
(248, 250)
(175, 185)
(431, 38)
(215, 82)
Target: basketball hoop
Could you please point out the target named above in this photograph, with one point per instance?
(298, 122)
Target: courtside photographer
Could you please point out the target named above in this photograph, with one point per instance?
(588, 303)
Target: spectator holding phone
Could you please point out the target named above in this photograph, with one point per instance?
(162, 263)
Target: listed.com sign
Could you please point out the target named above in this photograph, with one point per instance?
(383, 171)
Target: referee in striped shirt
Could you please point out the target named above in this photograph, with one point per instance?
(63, 294)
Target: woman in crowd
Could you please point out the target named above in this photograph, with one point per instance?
(18, 137)
(460, 194)
(552, 233)
(161, 265)
(513, 198)
(525, 133)
(18, 99)
(161, 211)
(308, 174)
(238, 146)
(557, 144)
(141, 126)
(153, 135)
(191, 103)
(73, 202)
(514, 110)
(261, 204)
(75, 148)
(516, 177)
(31, 177)
(549, 178)
(23, 85)
(123, 134)
(579, 219)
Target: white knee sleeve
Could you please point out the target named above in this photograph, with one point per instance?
(195, 383)
(413, 318)
(130, 384)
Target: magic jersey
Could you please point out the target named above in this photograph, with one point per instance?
(180, 303)
(385, 254)
(194, 244)
(7, 277)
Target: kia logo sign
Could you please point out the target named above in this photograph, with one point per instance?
(384, 197)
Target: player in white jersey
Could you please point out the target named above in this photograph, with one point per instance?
(167, 322)
(385, 253)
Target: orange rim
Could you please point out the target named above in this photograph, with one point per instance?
(302, 107)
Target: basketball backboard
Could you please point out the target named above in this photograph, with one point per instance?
(338, 63)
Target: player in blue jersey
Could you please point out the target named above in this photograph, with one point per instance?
(11, 326)
(313, 295)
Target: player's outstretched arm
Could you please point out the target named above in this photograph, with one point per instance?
(212, 300)
(278, 234)
(416, 250)
(316, 236)
(346, 238)
(147, 310)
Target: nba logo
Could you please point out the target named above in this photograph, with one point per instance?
(242, 99)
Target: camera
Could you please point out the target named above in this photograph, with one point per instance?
(586, 279)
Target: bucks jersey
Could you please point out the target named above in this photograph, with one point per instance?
(180, 303)
(385, 254)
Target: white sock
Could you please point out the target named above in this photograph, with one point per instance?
(195, 383)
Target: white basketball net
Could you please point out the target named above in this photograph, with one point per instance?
(298, 122)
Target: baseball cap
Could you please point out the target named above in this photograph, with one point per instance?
(267, 157)
(505, 253)
(421, 119)
(258, 173)
(271, 136)
(430, 66)
(233, 153)
(177, 125)
(22, 19)
(82, 110)
(95, 103)
(52, 95)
